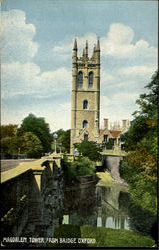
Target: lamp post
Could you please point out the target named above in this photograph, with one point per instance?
(55, 138)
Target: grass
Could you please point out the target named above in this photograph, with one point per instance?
(107, 237)
(103, 237)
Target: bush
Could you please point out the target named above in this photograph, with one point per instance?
(89, 149)
(81, 167)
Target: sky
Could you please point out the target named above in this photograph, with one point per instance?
(37, 42)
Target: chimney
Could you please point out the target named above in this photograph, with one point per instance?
(106, 123)
(124, 123)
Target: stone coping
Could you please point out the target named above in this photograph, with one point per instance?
(114, 152)
(22, 168)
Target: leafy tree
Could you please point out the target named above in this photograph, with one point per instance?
(38, 127)
(31, 145)
(11, 145)
(63, 139)
(80, 167)
(140, 166)
(89, 149)
(8, 130)
(5, 145)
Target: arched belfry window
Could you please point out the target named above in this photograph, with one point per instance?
(80, 79)
(85, 124)
(90, 85)
(85, 104)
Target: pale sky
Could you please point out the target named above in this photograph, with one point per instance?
(37, 41)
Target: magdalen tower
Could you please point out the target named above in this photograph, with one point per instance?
(85, 111)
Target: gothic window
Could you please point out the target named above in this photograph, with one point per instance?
(80, 79)
(86, 137)
(85, 123)
(85, 104)
(90, 85)
(105, 138)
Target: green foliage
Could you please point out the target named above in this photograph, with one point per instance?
(139, 168)
(148, 102)
(143, 196)
(106, 237)
(28, 144)
(11, 145)
(138, 129)
(38, 127)
(64, 139)
(81, 167)
(8, 130)
(109, 144)
(89, 149)
(5, 145)
(31, 145)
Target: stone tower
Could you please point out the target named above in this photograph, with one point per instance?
(85, 95)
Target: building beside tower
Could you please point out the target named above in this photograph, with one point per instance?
(85, 112)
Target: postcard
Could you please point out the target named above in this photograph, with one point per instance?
(79, 124)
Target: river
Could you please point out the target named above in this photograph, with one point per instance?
(105, 206)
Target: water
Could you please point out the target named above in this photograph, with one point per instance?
(107, 207)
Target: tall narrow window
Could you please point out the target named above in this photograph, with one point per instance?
(85, 123)
(80, 79)
(90, 85)
(85, 104)
(105, 138)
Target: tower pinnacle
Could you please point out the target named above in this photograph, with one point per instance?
(86, 48)
(75, 45)
(98, 45)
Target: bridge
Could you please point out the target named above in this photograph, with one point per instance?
(32, 198)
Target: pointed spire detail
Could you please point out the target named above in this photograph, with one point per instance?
(86, 49)
(75, 44)
(87, 44)
(98, 45)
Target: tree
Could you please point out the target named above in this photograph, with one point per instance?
(8, 130)
(145, 121)
(38, 127)
(140, 166)
(11, 145)
(31, 145)
(5, 145)
(89, 149)
(63, 139)
(80, 167)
